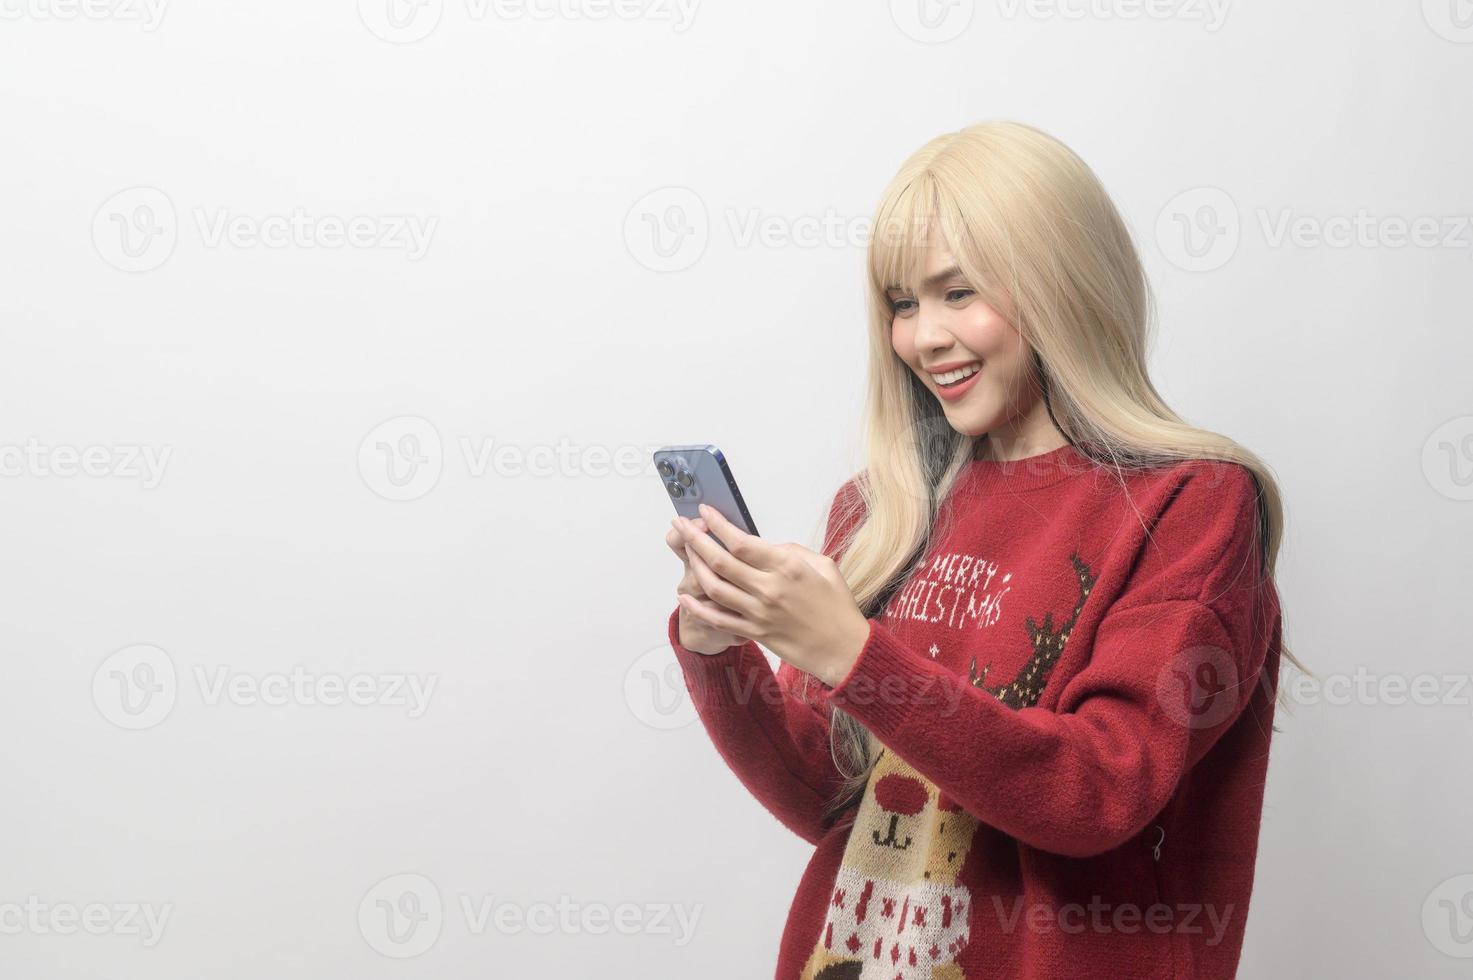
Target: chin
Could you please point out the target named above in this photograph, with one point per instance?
(969, 426)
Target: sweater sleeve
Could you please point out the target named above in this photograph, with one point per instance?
(1174, 661)
(770, 728)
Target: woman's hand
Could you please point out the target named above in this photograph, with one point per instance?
(696, 634)
(785, 596)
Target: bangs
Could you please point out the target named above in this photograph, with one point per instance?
(981, 247)
(899, 239)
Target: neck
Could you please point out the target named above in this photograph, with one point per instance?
(1028, 436)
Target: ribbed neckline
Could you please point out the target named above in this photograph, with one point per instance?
(1028, 473)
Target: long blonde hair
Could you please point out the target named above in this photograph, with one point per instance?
(1035, 233)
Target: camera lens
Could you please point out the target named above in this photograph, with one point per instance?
(685, 478)
(675, 490)
(665, 468)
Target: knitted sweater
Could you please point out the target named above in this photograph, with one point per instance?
(1073, 694)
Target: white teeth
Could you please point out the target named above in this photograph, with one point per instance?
(957, 375)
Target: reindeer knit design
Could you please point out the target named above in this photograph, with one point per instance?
(1044, 736)
(1048, 646)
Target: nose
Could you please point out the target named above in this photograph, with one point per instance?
(902, 795)
(931, 334)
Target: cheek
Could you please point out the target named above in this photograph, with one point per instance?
(902, 340)
(989, 335)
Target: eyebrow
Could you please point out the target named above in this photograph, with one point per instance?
(954, 272)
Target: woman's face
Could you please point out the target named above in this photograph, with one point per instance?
(945, 328)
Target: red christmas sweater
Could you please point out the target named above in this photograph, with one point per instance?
(1074, 697)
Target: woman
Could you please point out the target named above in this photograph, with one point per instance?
(1026, 691)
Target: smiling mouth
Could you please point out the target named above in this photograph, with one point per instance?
(951, 379)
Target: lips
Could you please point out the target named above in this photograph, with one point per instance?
(955, 391)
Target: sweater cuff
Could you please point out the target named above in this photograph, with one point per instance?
(887, 683)
(714, 679)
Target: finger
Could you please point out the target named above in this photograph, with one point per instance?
(676, 541)
(750, 548)
(722, 562)
(713, 615)
(722, 591)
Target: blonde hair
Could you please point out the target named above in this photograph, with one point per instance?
(1035, 233)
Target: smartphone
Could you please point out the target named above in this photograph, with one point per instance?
(695, 475)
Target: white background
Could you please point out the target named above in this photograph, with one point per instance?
(555, 760)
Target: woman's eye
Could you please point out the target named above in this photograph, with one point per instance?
(900, 305)
(957, 295)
